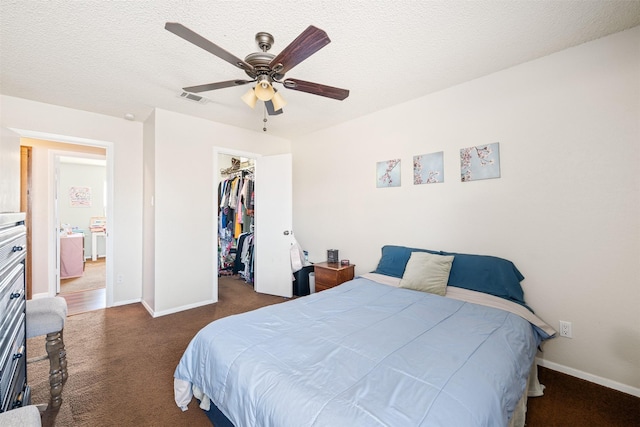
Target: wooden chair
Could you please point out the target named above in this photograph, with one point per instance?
(46, 316)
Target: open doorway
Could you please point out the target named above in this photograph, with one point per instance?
(45, 162)
(272, 218)
(81, 210)
(235, 220)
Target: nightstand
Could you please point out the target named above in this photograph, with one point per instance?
(330, 274)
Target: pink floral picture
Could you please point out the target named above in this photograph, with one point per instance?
(428, 168)
(80, 197)
(480, 162)
(388, 173)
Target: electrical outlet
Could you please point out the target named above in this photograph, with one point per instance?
(119, 278)
(565, 329)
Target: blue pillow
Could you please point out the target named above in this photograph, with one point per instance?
(488, 274)
(482, 273)
(394, 259)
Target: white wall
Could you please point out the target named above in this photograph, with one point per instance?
(185, 185)
(179, 236)
(9, 171)
(124, 139)
(566, 209)
(83, 175)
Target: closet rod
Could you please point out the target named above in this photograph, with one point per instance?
(231, 170)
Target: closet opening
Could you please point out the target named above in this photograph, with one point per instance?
(236, 186)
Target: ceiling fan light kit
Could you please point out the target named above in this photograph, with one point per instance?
(264, 91)
(278, 101)
(250, 98)
(264, 68)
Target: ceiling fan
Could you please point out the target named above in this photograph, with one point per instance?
(264, 68)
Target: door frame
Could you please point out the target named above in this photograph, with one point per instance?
(26, 206)
(109, 147)
(217, 151)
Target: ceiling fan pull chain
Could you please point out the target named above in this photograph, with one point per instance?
(264, 129)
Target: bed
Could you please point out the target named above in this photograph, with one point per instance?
(395, 347)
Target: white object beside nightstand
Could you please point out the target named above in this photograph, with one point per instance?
(94, 243)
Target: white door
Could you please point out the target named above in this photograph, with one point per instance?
(273, 222)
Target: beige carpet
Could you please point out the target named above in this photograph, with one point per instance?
(121, 362)
(94, 277)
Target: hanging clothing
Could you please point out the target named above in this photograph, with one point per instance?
(235, 196)
(246, 256)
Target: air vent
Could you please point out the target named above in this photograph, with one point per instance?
(192, 97)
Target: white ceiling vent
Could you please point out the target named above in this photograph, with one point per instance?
(196, 98)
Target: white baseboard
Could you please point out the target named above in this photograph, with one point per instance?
(131, 301)
(146, 306)
(176, 309)
(625, 388)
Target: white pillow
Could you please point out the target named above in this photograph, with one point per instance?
(427, 272)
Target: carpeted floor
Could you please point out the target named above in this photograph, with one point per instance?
(569, 401)
(94, 277)
(121, 363)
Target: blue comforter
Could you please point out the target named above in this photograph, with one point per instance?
(364, 354)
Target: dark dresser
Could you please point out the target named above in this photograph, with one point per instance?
(14, 391)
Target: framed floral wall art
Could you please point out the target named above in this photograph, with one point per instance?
(428, 168)
(480, 162)
(388, 173)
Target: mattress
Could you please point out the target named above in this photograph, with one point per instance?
(364, 354)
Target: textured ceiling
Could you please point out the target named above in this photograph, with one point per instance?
(115, 57)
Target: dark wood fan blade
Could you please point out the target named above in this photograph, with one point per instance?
(306, 44)
(214, 86)
(270, 110)
(195, 38)
(316, 89)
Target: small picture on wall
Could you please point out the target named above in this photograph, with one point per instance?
(388, 173)
(80, 197)
(428, 168)
(480, 162)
